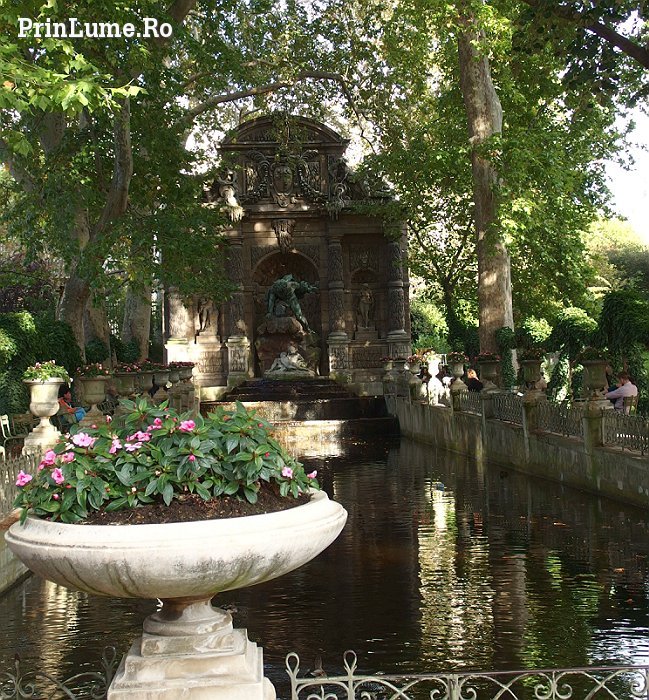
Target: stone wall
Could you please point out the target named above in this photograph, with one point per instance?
(604, 470)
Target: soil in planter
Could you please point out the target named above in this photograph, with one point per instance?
(193, 507)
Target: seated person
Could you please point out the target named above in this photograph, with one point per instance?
(626, 388)
(71, 414)
(472, 382)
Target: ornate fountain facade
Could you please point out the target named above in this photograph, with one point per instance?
(295, 215)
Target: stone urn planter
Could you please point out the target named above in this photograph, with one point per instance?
(94, 392)
(124, 383)
(188, 648)
(531, 372)
(144, 382)
(488, 374)
(595, 377)
(160, 379)
(43, 403)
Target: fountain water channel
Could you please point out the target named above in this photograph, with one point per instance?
(444, 565)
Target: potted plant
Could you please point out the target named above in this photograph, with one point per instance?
(43, 380)
(387, 363)
(531, 359)
(145, 375)
(594, 362)
(93, 378)
(414, 363)
(488, 363)
(456, 361)
(163, 463)
(124, 376)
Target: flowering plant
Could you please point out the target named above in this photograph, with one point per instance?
(456, 357)
(127, 368)
(488, 357)
(94, 369)
(386, 359)
(182, 363)
(412, 359)
(151, 366)
(42, 371)
(532, 354)
(591, 353)
(158, 455)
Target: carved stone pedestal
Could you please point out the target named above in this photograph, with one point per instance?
(197, 655)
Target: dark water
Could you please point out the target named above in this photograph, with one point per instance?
(443, 564)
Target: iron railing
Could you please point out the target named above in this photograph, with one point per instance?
(18, 684)
(470, 402)
(627, 432)
(507, 406)
(590, 683)
(561, 418)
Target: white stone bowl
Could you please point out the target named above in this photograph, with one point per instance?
(177, 560)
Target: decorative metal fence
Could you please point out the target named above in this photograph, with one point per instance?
(627, 432)
(591, 683)
(8, 474)
(561, 418)
(508, 407)
(38, 685)
(470, 402)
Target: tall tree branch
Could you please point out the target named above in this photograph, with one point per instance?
(632, 49)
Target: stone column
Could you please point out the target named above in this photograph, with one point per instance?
(337, 340)
(238, 342)
(398, 340)
(336, 291)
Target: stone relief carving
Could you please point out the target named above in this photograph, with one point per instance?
(394, 261)
(396, 309)
(338, 357)
(258, 252)
(238, 357)
(284, 231)
(367, 357)
(363, 257)
(336, 310)
(206, 316)
(335, 262)
(235, 263)
(209, 363)
(311, 251)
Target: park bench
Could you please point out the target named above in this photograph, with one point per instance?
(630, 405)
(13, 428)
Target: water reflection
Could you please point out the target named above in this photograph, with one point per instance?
(442, 565)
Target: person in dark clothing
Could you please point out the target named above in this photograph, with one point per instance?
(472, 382)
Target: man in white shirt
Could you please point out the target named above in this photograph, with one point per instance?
(626, 388)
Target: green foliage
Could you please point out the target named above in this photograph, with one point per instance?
(125, 351)
(506, 341)
(572, 331)
(559, 384)
(97, 351)
(157, 456)
(532, 332)
(14, 395)
(428, 326)
(624, 320)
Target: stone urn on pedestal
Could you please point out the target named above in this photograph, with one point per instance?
(161, 379)
(488, 365)
(595, 382)
(93, 390)
(43, 403)
(530, 361)
(456, 362)
(188, 648)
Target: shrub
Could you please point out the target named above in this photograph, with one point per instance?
(97, 351)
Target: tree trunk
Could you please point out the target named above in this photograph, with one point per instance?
(484, 118)
(137, 319)
(96, 326)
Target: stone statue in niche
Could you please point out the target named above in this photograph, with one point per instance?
(365, 308)
(205, 316)
(284, 295)
(291, 362)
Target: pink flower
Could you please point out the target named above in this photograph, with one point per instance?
(187, 425)
(55, 496)
(23, 478)
(57, 475)
(287, 472)
(49, 458)
(139, 436)
(83, 440)
(192, 458)
(157, 422)
(116, 445)
(109, 419)
(313, 474)
(133, 446)
(67, 457)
